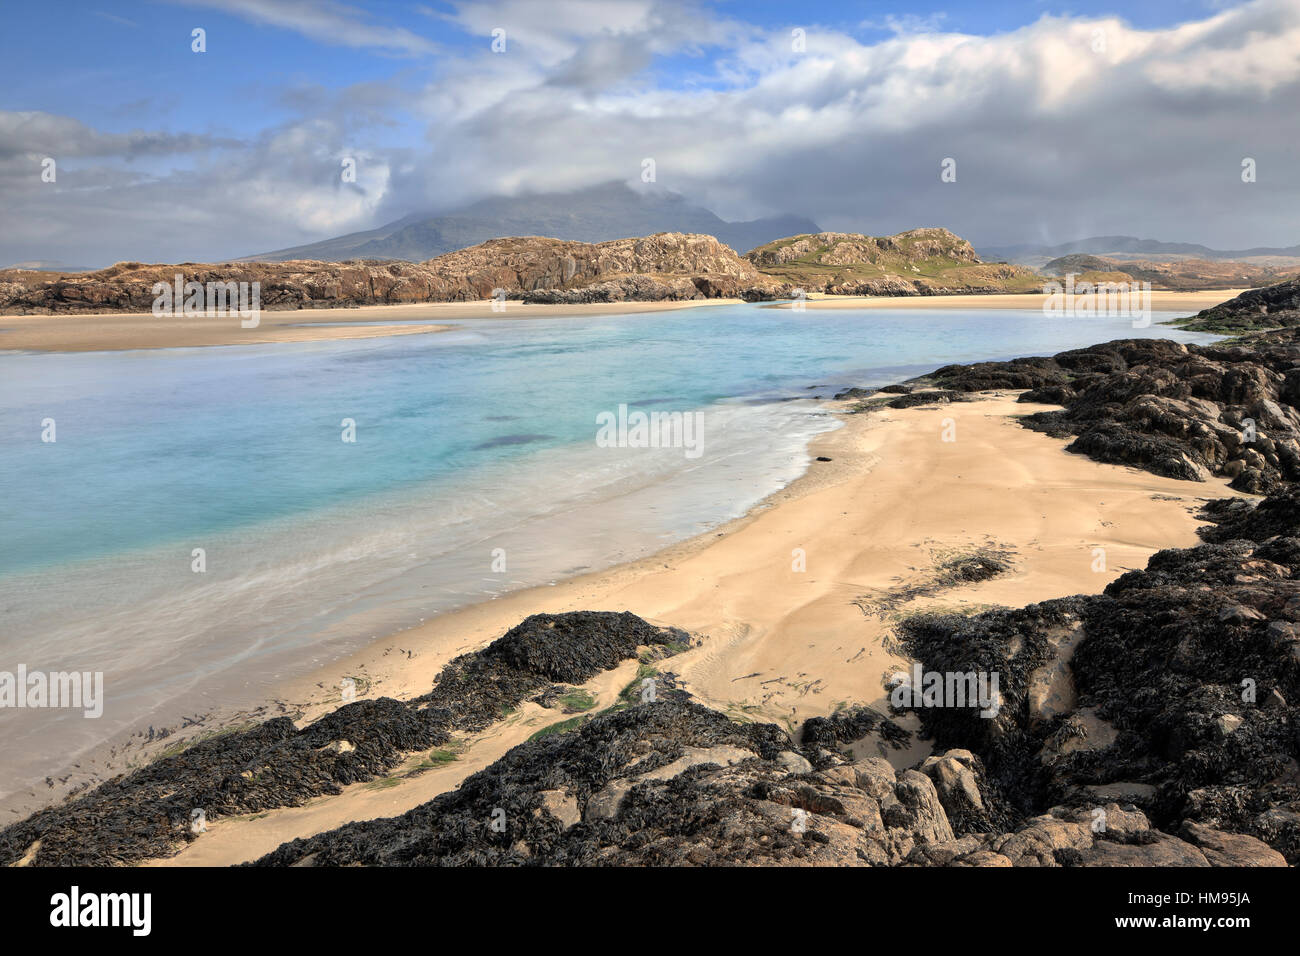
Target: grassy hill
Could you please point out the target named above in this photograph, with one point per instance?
(916, 262)
(1175, 275)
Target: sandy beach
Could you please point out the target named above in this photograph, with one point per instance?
(122, 330)
(108, 331)
(777, 643)
(1186, 302)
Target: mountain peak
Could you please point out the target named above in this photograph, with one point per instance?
(599, 213)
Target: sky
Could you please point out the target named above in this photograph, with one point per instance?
(1061, 120)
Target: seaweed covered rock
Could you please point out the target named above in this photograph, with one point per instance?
(1266, 308)
(928, 397)
(473, 690)
(147, 813)
(663, 783)
(1182, 411)
(848, 726)
(1179, 686)
(1017, 374)
(672, 783)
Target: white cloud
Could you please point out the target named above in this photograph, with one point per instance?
(1055, 136)
(327, 21)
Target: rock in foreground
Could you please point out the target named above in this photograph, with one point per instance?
(149, 812)
(672, 783)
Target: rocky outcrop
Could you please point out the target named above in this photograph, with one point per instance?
(128, 286)
(675, 784)
(1109, 835)
(653, 268)
(917, 262)
(1183, 411)
(1272, 307)
(531, 263)
(1182, 677)
(665, 266)
(667, 783)
(850, 248)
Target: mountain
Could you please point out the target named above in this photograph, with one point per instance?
(1174, 274)
(598, 214)
(48, 265)
(916, 262)
(1035, 254)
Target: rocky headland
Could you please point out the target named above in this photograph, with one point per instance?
(657, 268)
(1272, 307)
(666, 266)
(1183, 411)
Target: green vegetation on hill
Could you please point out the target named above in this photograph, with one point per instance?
(919, 261)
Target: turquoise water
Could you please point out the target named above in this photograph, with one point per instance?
(158, 446)
(470, 445)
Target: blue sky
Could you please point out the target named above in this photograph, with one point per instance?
(163, 151)
(121, 65)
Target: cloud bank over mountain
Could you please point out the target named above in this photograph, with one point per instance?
(1061, 128)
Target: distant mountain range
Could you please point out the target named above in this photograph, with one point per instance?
(49, 265)
(1129, 246)
(598, 214)
(1176, 272)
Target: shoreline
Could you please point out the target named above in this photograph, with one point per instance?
(854, 450)
(115, 331)
(121, 331)
(773, 644)
(1161, 301)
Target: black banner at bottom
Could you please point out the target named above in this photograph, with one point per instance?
(142, 905)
